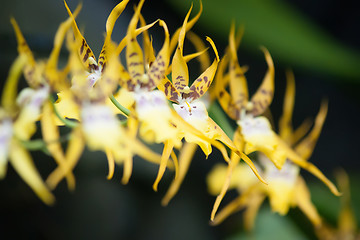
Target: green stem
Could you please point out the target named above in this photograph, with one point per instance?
(119, 106)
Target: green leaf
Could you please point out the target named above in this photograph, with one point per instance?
(290, 37)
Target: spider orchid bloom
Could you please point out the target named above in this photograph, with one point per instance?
(34, 103)
(286, 188)
(98, 125)
(151, 112)
(11, 146)
(346, 224)
(192, 110)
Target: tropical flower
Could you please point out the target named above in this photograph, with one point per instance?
(254, 132)
(286, 188)
(11, 146)
(192, 110)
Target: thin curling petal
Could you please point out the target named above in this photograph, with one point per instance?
(180, 72)
(134, 54)
(203, 82)
(307, 145)
(186, 155)
(252, 209)
(285, 125)
(59, 38)
(51, 136)
(23, 47)
(264, 95)
(85, 53)
(303, 201)
(168, 148)
(199, 45)
(73, 153)
(21, 160)
(9, 94)
(111, 163)
(191, 23)
(110, 23)
(157, 70)
(238, 83)
(149, 53)
(295, 158)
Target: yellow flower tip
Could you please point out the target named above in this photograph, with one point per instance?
(155, 186)
(214, 48)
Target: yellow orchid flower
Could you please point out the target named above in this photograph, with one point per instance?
(10, 145)
(33, 102)
(192, 110)
(255, 132)
(286, 188)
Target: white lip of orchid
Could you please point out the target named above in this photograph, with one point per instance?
(6, 132)
(150, 103)
(33, 98)
(98, 117)
(191, 111)
(254, 125)
(288, 173)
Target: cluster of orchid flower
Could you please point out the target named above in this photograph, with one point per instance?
(122, 110)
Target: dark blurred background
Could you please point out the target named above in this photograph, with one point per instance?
(318, 40)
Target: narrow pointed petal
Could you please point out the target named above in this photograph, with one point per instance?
(157, 70)
(303, 200)
(295, 158)
(307, 145)
(252, 209)
(9, 94)
(301, 131)
(134, 54)
(85, 53)
(23, 47)
(199, 45)
(51, 136)
(149, 52)
(234, 206)
(264, 95)
(238, 83)
(110, 23)
(180, 72)
(111, 163)
(21, 160)
(203, 82)
(168, 147)
(185, 158)
(191, 23)
(128, 166)
(74, 150)
(285, 124)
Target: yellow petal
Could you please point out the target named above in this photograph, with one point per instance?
(200, 47)
(303, 200)
(110, 22)
(85, 53)
(256, 199)
(285, 124)
(147, 44)
(157, 70)
(73, 153)
(190, 24)
(51, 136)
(134, 54)
(9, 94)
(168, 147)
(307, 145)
(21, 160)
(180, 72)
(186, 155)
(170, 91)
(264, 95)
(203, 82)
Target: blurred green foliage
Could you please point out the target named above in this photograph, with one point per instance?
(290, 37)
